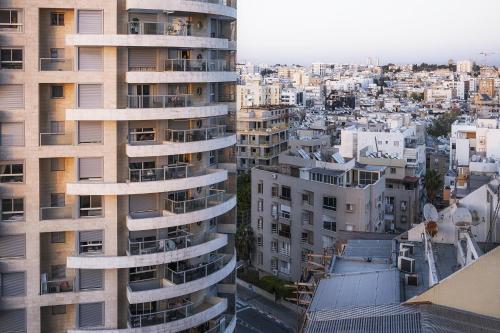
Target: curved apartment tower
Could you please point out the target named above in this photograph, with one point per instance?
(117, 169)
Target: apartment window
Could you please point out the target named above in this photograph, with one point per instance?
(260, 223)
(12, 134)
(90, 96)
(90, 315)
(90, 58)
(91, 242)
(12, 173)
(12, 96)
(286, 193)
(274, 210)
(329, 224)
(285, 211)
(57, 19)
(58, 272)
(90, 168)
(328, 242)
(307, 217)
(274, 190)
(58, 310)
(91, 279)
(142, 135)
(367, 178)
(393, 170)
(10, 20)
(404, 205)
(91, 206)
(13, 284)
(330, 203)
(212, 157)
(260, 205)
(11, 58)
(260, 240)
(260, 187)
(308, 198)
(349, 208)
(13, 246)
(274, 246)
(57, 164)
(56, 91)
(58, 237)
(13, 209)
(90, 132)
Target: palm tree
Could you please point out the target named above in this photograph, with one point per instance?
(245, 241)
(433, 182)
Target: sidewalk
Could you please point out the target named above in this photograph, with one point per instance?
(286, 316)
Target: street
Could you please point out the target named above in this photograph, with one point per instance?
(259, 315)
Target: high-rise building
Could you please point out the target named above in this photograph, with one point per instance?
(117, 165)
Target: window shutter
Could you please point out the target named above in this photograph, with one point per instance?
(12, 134)
(90, 21)
(90, 58)
(11, 96)
(91, 236)
(90, 96)
(13, 321)
(90, 315)
(13, 246)
(90, 132)
(91, 279)
(13, 284)
(141, 58)
(91, 168)
(143, 203)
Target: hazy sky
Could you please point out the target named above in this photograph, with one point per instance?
(400, 31)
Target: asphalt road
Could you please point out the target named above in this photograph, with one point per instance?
(258, 315)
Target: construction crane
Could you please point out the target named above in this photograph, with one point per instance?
(486, 55)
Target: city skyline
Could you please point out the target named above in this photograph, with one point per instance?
(433, 32)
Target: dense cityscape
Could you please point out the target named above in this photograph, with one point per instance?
(152, 180)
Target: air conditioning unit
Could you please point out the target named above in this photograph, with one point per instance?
(408, 246)
(406, 265)
(275, 176)
(404, 252)
(275, 272)
(411, 279)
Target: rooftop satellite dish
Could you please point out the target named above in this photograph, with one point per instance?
(430, 213)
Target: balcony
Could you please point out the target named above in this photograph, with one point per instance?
(153, 254)
(144, 181)
(176, 240)
(174, 216)
(179, 317)
(57, 213)
(56, 139)
(57, 286)
(56, 64)
(183, 142)
(182, 282)
(214, 7)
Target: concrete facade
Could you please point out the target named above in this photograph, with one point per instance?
(117, 128)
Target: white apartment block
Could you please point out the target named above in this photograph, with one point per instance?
(116, 136)
(464, 66)
(256, 93)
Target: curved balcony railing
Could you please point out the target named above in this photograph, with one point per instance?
(215, 197)
(166, 29)
(229, 3)
(178, 311)
(198, 272)
(176, 241)
(160, 101)
(197, 65)
(166, 173)
(193, 135)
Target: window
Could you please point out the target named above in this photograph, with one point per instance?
(90, 168)
(349, 208)
(142, 273)
(308, 198)
(403, 206)
(58, 272)
(10, 20)
(91, 206)
(12, 173)
(56, 91)
(328, 242)
(56, 19)
(57, 237)
(285, 211)
(13, 210)
(274, 246)
(274, 190)
(274, 210)
(286, 193)
(11, 58)
(12, 134)
(260, 187)
(57, 164)
(330, 203)
(90, 132)
(367, 178)
(57, 200)
(260, 223)
(13, 284)
(91, 242)
(393, 170)
(58, 309)
(260, 205)
(259, 240)
(329, 224)
(307, 217)
(142, 135)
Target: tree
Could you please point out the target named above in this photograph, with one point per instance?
(417, 96)
(245, 241)
(244, 197)
(267, 72)
(433, 183)
(441, 126)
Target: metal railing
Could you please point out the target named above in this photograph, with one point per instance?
(215, 197)
(157, 28)
(14, 27)
(56, 139)
(56, 64)
(58, 286)
(176, 241)
(159, 101)
(196, 65)
(221, 326)
(193, 135)
(229, 3)
(196, 273)
(56, 213)
(178, 311)
(166, 173)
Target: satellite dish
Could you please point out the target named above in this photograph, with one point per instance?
(462, 217)
(430, 213)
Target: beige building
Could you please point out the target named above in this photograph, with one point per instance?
(116, 136)
(262, 134)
